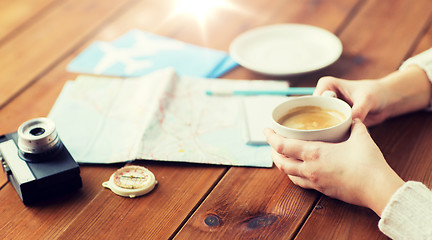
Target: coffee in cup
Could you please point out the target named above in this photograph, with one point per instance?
(318, 118)
(311, 118)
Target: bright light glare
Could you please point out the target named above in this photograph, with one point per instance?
(198, 8)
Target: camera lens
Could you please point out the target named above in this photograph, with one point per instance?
(37, 136)
(37, 131)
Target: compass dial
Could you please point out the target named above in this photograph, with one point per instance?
(132, 177)
(131, 181)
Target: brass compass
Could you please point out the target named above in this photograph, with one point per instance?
(131, 181)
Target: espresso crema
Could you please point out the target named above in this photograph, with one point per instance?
(311, 118)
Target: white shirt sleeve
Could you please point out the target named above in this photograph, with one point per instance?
(408, 214)
(424, 61)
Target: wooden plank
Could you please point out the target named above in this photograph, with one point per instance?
(278, 208)
(426, 40)
(153, 216)
(250, 203)
(14, 14)
(3, 179)
(56, 33)
(333, 219)
(378, 39)
(373, 50)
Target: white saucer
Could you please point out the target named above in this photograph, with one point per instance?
(286, 49)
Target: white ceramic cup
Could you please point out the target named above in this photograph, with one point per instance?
(328, 100)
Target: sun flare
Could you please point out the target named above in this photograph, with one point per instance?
(198, 8)
(203, 12)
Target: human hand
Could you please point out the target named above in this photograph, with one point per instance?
(367, 98)
(373, 101)
(353, 171)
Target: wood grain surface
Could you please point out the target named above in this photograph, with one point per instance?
(38, 38)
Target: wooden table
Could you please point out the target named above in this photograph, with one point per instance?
(38, 38)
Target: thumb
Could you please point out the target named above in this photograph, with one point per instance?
(326, 83)
(360, 109)
(358, 129)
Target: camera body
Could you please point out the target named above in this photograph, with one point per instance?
(37, 163)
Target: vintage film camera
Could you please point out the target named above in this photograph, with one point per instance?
(37, 163)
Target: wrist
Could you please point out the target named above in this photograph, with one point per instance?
(383, 188)
(406, 90)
